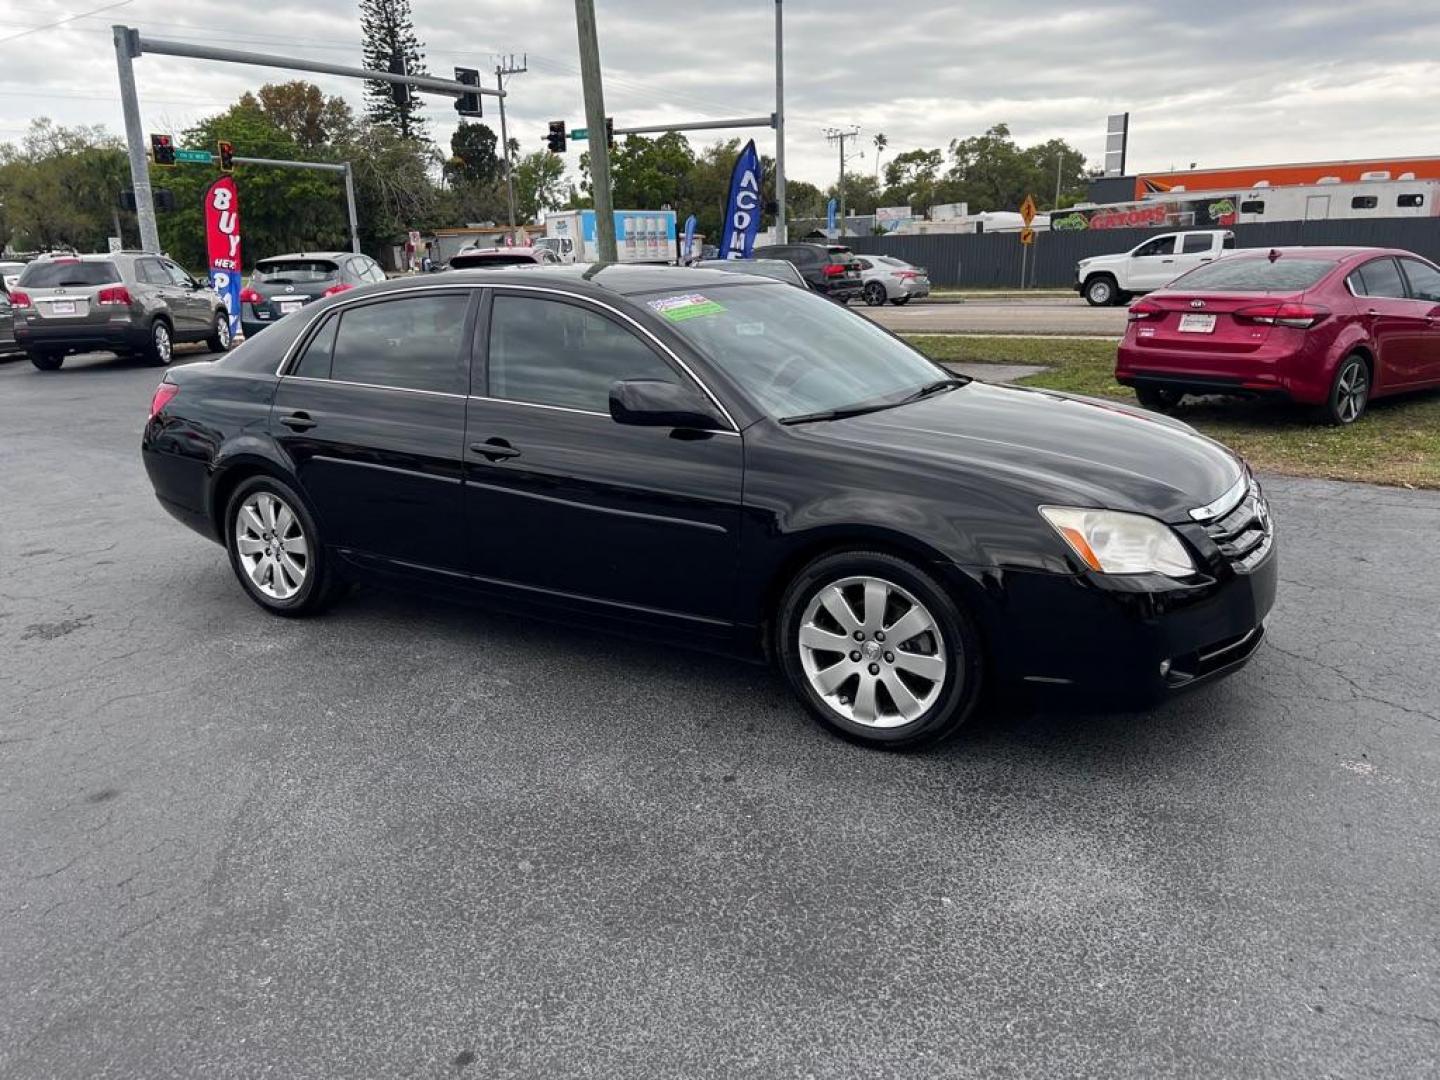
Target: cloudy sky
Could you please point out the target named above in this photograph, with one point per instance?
(1223, 82)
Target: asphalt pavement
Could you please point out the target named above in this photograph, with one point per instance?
(409, 839)
(1041, 316)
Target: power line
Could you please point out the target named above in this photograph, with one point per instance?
(67, 19)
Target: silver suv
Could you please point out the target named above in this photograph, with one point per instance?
(127, 302)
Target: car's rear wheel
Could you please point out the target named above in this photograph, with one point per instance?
(1101, 291)
(878, 651)
(161, 349)
(1349, 392)
(275, 548)
(1159, 399)
(874, 294)
(900, 301)
(46, 360)
(219, 339)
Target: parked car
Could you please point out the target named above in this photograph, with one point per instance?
(284, 284)
(831, 269)
(1330, 327)
(1113, 279)
(723, 459)
(7, 325)
(10, 274)
(127, 302)
(477, 258)
(777, 269)
(885, 277)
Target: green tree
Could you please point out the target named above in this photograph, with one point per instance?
(991, 172)
(539, 184)
(646, 174)
(388, 28)
(61, 185)
(912, 178)
(803, 199)
(299, 109)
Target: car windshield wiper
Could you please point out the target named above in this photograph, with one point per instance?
(875, 406)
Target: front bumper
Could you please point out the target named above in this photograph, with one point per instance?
(1128, 641)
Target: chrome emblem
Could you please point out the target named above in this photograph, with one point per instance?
(1262, 512)
(1197, 303)
(289, 288)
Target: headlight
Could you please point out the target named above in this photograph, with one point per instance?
(1116, 543)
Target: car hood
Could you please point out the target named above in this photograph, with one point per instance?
(1061, 447)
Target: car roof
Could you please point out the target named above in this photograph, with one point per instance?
(1330, 252)
(594, 279)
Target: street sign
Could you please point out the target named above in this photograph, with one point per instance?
(116, 244)
(1027, 236)
(194, 157)
(579, 134)
(1027, 210)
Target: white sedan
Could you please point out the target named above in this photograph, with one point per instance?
(889, 278)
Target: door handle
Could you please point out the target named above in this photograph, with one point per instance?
(494, 449)
(1167, 260)
(298, 421)
(1371, 312)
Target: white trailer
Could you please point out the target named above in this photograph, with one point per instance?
(641, 236)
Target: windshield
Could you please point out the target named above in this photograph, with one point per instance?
(294, 271)
(795, 353)
(68, 273)
(1246, 274)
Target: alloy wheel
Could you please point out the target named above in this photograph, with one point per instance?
(1100, 293)
(875, 294)
(271, 545)
(1352, 390)
(163, 347)
(872, 652)
(222, 331)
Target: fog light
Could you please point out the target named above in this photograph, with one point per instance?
(1164, 668)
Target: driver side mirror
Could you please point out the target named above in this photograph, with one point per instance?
(654, 403)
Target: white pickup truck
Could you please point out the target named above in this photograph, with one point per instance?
(1152, 264)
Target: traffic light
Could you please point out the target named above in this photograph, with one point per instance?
(162, 150)
(164, 199)
(227, 156)
(399, 92)
(556, 138)
(610, 133)
(468, 104)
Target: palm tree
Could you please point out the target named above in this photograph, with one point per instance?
(880, 143)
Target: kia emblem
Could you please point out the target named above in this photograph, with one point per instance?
(289, 288)
(1197, 303)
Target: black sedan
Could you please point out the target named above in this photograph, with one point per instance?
(701, 455)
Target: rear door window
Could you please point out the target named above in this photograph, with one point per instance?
(1381, 277)
(417, 343)
(315, 361)
(1196, 243)
(1424, 280)
(68, 273)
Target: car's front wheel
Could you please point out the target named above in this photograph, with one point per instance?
(46, 360)
(1101, 291)
(275, 549)
(161, 348)
(878, 651)
(219, 339)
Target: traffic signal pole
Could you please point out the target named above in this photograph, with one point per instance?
(320, 166)
(126, 49)
(595, 121)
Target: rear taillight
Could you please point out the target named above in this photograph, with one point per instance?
(250, 296)
(1282, 313)
(336, 290)
(1144, 310)
(834, 269)
(905, 275)
(163, 393)
(19, 299)
(112, 296)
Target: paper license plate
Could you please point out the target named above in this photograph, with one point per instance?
(1197, 324)
(287, 306)
(62, 307)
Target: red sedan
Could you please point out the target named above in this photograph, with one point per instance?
(1332, 327)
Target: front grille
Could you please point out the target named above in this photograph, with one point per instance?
(1245, 533)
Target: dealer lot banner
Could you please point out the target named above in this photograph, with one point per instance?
(222, 243)
(742, 213)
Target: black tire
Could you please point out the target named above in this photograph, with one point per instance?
(219, 339)
(45, 360)
(954, 695)
(1101, 290)
(874, 294)
(161, 348)
(321, 584)
(1158, 398)
(1349, 392)
(900, 301)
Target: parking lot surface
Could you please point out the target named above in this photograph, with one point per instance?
(408, 839)
(1048, 315)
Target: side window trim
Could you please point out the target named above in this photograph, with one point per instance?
(481, 359)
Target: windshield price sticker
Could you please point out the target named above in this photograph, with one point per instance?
(688, 306)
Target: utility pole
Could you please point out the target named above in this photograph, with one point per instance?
(1058, 161)
(595, 125)
(501, 70)
(127, 47)
(781, 229)
(838, 135)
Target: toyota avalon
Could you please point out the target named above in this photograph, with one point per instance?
(725, 459)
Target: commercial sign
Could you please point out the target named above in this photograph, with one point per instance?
(1175, 213)
(891, 218)
(742, 212)
(222, 243)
